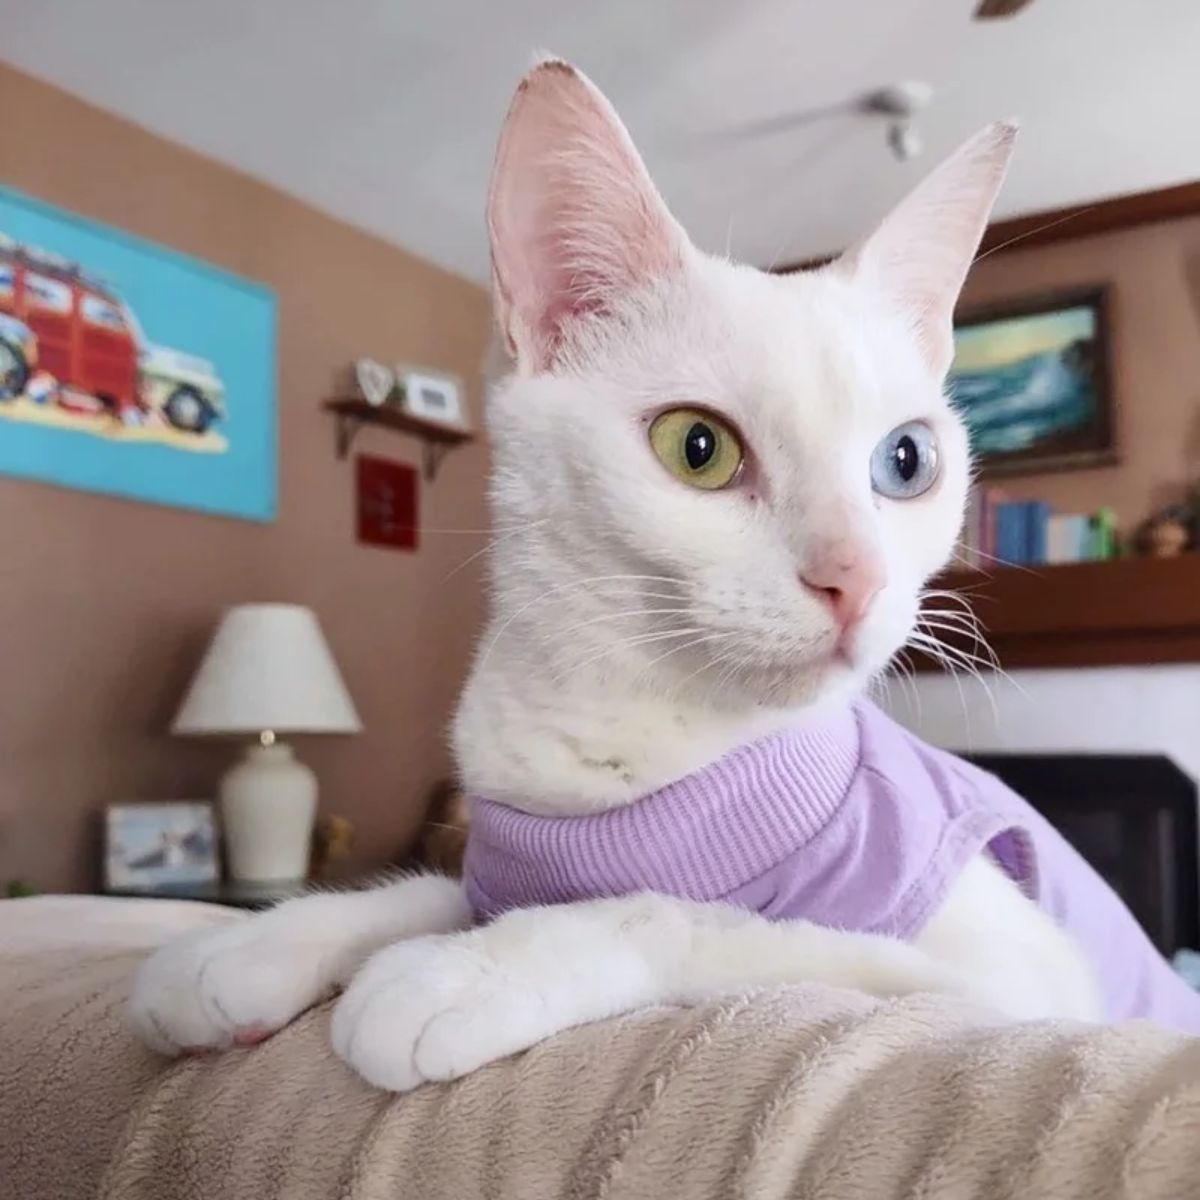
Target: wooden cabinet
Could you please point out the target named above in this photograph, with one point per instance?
(1134, 610)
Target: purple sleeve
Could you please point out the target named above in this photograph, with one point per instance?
(1135, 979)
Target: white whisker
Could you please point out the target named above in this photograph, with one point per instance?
(491, 544)
(1000, 562)
(627, 644)
(624, 613)
(573, 583)
(686, 646)
(940, 653)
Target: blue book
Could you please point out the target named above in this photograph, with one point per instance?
(1083, 539)
(1009, 531)
(1086, 546)
(1000, 532)
(1025, 531)
(1037, 520)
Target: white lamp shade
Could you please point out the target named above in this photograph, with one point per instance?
(267, 667)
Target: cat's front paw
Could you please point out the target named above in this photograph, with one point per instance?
(222, 987)
(434, 1009)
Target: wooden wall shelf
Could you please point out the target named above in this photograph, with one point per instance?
(437, 439)
(1119, 612)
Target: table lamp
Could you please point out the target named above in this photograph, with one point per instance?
(267, 672)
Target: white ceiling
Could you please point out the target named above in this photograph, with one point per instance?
(384, 112)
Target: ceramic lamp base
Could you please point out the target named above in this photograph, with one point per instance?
(268, 806)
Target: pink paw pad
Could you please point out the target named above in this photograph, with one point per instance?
(251, 1035)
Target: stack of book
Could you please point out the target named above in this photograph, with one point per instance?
(998, 531)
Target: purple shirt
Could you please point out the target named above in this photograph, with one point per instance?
(855, 824)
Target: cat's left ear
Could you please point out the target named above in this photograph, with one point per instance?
(919, 256)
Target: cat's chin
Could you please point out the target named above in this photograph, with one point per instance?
(836, 676)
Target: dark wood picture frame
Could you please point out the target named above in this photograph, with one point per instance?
(1095, 444)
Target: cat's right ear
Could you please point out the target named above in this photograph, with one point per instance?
(573, 216)
(919, 256)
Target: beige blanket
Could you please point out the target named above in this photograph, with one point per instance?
(800, 1092)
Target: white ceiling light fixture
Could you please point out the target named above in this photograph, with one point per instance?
(899, 103)
(998, 10)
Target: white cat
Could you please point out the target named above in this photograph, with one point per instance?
(642, 628)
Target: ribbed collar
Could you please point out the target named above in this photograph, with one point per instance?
(701, 836)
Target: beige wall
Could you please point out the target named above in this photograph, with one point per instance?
(1154, 272)
(105, 604)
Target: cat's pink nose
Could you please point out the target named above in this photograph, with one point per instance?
(847, 580)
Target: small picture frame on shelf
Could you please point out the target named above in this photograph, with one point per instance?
(432, 396)
(151, 843)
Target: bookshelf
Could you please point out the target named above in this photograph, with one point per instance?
(1115, 612)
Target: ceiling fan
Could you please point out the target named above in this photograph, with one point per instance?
(992, 10)
(897, 103)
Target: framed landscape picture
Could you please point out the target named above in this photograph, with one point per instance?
(130, 369)
(1033, 382)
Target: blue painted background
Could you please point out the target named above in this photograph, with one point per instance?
(183, 304)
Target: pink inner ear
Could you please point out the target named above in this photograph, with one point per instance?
(574, 218)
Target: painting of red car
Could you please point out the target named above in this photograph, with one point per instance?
(130, 369)
(68, 340)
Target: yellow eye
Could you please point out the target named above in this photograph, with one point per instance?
(697, 448)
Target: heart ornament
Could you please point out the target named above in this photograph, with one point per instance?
(375, 381)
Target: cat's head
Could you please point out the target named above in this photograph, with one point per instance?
(725, 479)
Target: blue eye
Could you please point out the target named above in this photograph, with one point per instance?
(905, 464)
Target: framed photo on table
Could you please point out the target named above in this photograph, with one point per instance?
(151, 844)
